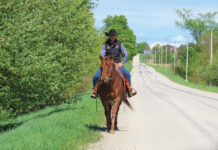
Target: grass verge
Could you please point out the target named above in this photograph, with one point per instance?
(128, 65)
(63, 127)
(179, 79)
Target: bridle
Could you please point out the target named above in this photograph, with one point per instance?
(110, 72)
(111, 68)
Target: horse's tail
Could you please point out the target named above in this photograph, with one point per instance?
(128, 104)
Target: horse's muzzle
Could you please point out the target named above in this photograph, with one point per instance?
(106, 80)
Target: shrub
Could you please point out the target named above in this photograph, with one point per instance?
(46, 51)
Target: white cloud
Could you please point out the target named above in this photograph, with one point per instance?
(178, 38)
(140, 35)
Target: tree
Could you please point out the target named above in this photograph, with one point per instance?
(192, 57)
(197, 26)
(142, 46)
(46, 52)
(155, 50)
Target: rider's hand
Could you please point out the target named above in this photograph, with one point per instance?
(120, 64)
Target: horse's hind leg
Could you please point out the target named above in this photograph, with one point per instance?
(114, 113)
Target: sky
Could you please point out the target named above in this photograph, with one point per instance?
(153, 21)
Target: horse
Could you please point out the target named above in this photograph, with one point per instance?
(112, 92)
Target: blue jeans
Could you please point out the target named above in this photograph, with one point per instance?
(98, 74)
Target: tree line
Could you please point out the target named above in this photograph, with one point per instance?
(200, 68)
(49, 51)
(200, 26)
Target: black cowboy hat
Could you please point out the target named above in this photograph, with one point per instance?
(111, 32)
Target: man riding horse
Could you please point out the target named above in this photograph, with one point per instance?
(114, 48)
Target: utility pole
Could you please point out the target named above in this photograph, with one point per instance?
(186, 78)
(152, 58)
(211, 47)
(174, 66)
(159, 55)
(155, 56)
(166, 58)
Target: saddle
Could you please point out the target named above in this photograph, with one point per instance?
(130, 91)
(126, 82)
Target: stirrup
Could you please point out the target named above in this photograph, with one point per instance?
(132, 92)
(93, 95)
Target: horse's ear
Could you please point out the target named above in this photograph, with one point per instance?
(101, 57)
(111, 57)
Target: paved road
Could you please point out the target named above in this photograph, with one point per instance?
(166, 116)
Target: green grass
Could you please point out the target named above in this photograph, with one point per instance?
(142, 58)
(128, 65)
(63, 127)
(179, 79)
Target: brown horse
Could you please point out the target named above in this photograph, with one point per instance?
(112, 91)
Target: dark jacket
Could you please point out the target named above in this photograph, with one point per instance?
(114, 50)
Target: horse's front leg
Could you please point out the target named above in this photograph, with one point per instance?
(110, 107)
(116, 128)
(116, 106)
(107, 115)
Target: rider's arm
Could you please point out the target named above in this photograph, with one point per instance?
(124, 53)
(103, 51)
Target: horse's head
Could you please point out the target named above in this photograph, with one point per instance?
(107, 66)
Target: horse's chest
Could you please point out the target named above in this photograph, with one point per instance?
(110, 95)
(106, 92)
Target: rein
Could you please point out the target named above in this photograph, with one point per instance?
(111, 68)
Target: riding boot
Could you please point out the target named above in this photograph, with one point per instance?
(130, 91)
(94, 93)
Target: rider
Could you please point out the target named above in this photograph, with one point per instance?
(114, 48)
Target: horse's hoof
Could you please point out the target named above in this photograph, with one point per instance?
(107, 130)
(112, 132)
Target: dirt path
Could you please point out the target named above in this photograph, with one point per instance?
(166, 116)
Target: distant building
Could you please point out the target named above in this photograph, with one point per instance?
(147, 51)
(170, 47)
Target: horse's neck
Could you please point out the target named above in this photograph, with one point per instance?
(116, 75)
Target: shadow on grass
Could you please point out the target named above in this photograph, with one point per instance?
(53, 112)
(95, 128)
(9, 126)
(14, 124)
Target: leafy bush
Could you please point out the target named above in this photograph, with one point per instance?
(210, 72)
(46, 52)
(181, 65)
